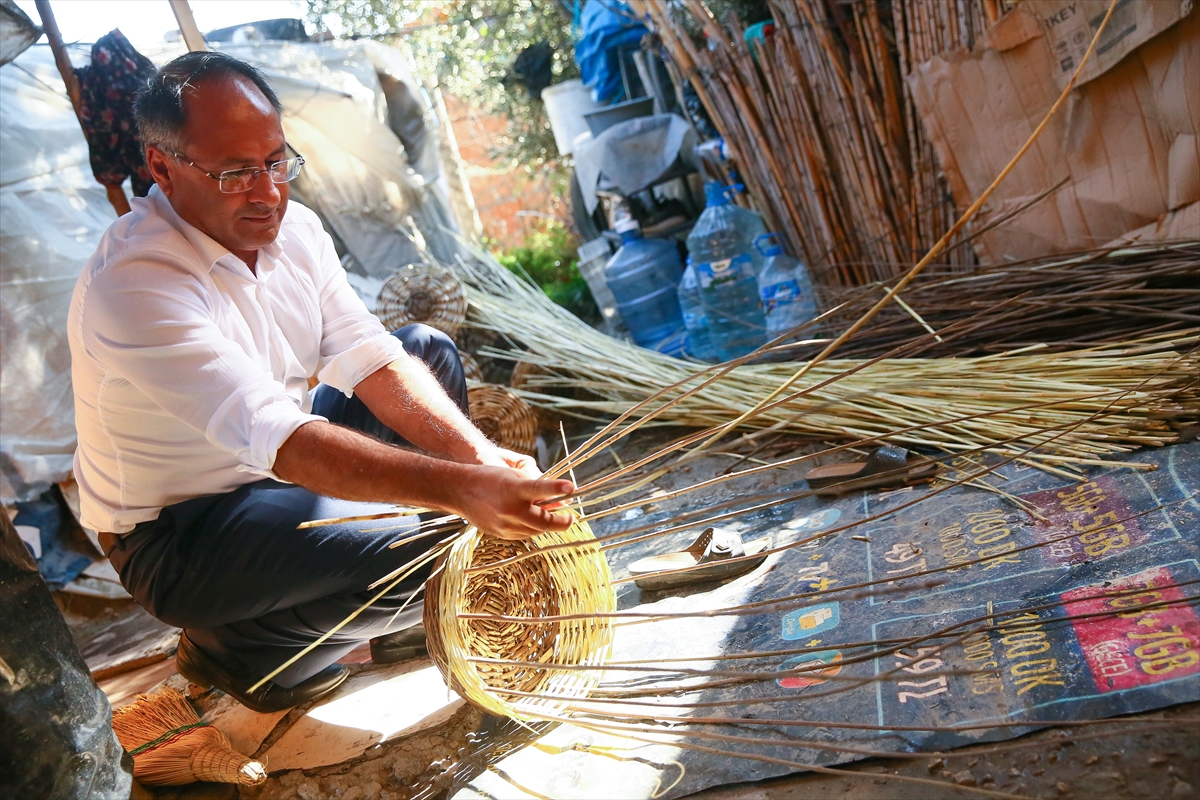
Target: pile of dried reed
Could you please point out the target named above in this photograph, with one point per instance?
(1103, 400)
(1060, 303)
(823, 127)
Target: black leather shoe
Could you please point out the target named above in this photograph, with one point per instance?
(203, 670)
(399, 646)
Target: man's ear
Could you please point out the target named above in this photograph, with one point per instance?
(156, 162)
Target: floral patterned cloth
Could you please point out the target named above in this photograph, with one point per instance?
(107, 89)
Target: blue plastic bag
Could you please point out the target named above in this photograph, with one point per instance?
(605, 30)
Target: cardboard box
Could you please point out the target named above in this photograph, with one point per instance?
(1122, 152)
(1069, 25)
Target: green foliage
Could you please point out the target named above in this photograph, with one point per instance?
(468, 47)
(549, 258)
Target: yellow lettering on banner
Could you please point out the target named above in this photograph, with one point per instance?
(1023, 636)
(1030, 649)
(989, 536)
(1045, 673)
(1023, 621)
(996, 557)
(1039, 666)
(1025, 684)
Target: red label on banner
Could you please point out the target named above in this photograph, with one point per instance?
(1085, 522)
(1132, 645)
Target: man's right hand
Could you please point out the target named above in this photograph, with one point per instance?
(502, 503)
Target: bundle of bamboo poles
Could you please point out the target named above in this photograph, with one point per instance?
(823, 127)
(1106, 399)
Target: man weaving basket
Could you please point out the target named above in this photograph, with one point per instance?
(193, 330)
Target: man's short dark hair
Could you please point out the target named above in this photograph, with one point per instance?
(159, 106)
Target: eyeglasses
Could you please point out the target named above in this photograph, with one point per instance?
(236, 181)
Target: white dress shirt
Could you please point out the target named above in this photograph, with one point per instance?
(190, 371)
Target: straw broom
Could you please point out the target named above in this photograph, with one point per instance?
(171, 746)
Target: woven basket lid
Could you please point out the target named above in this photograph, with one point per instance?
(471, 368)
(564, 581)
(522, 372)
(503, 417)
(422, 293)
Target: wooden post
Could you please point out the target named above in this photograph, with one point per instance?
(187, 25)
(116, 195)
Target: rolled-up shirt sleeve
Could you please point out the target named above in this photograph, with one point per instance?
(354, 342)
(160, 335)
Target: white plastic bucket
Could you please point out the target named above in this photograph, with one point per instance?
(566, 103)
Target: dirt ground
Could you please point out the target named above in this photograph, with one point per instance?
(1096, 762)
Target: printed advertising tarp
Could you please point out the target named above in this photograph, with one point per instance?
(961, 612)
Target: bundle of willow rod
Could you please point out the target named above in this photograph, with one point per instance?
(1139, 384)
(1065, 302)
(822, 124)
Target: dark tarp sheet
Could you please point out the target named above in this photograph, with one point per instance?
(1032, 665)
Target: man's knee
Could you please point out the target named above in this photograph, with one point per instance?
(425, 342)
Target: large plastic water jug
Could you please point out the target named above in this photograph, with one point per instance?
(726, 263)
(644, 278)
(699, 341)
(784, 288)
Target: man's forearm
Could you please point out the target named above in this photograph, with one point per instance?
(407, 398)
(338, 462)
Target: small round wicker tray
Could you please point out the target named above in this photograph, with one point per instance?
(423, 293)
(471, 369)
(503, 417)
(522, 372)
(566, 581)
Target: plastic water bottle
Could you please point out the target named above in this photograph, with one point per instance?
(699, 341)
(784, 288)
(726, 263)
(644, 278)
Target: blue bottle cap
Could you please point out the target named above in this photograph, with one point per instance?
(629, 229)
(714, 194)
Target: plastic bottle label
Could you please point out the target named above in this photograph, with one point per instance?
(725, 270)
(779, 294)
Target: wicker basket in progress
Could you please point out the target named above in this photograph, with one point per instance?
(503, 417)
(566, 581)
(423, 293)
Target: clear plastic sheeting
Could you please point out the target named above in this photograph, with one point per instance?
(632, 154)
(52, 213)
(17, 31)
(384, 208)
(373, 172)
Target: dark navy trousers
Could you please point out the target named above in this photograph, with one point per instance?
(249, 588)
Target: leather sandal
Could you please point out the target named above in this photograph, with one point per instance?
(713, 553)
(887, 466)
